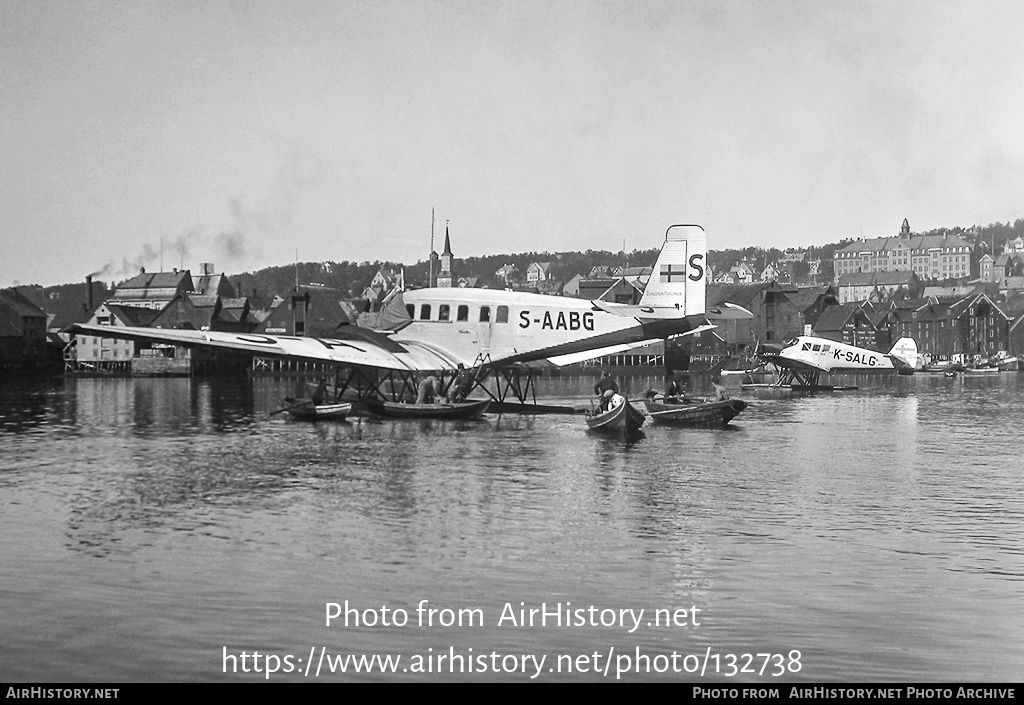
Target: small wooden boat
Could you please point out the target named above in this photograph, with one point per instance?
(624, 418)
(469, 409)
(694, 412)
(306, 410)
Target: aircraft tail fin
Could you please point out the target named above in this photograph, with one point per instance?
(679, 276)
(904, 354)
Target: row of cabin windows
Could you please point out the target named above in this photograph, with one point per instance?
(461, 313)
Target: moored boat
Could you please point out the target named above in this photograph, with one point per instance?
(621, 418)
(306, 410)
(469, 409)
(694, 412)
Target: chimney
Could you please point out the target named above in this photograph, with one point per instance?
(206, 268)
(88, 287)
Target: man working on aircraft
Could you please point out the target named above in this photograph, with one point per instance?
(426, 390)
(462, 385)
(604, 385)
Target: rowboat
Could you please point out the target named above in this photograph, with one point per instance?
(306, 410)
(469, 409)
(623, 418)
(695, 412)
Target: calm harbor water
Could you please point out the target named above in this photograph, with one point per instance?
(154, 530)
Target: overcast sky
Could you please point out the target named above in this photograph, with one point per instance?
(241, 132)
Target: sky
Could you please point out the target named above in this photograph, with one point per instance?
(254, 133)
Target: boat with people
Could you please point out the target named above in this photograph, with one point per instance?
(684, 411)
(308, 410)
(620, 417)
(468, 409)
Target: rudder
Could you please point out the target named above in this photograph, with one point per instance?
(680, 274)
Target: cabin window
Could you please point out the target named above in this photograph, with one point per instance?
(411, 308)
(463, 313)
(442, 312)
(425, 312)
(485, 314)
(502, 315)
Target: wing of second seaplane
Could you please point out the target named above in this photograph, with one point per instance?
(802, 359)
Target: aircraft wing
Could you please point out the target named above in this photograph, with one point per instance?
(723, 311)
(352, 346)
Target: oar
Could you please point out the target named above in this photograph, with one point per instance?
(293, 406)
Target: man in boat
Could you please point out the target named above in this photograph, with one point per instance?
(320, 395)
(426, 390)
(673, 389)
(462, 385)
(720, 393)
(605, 388)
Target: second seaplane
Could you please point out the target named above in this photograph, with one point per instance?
(435, 331)
(802, 360)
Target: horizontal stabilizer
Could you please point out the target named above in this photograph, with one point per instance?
(727, 311)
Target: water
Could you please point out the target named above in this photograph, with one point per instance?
(151, 527)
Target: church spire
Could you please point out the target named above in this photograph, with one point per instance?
(446, 276)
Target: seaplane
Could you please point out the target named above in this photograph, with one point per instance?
(803, 359)
(499, 333)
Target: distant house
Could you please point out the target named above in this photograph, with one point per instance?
(508, 274)
(1008, 264)
(614, 289)
(723, 277)
(638, 275)
(986, 268)
(572, 287)
(468, 282)
(888, 284)
(771, 273)
(856, 287)
(1015, 245)
(551, 287)
(743, 273)
(538, 271)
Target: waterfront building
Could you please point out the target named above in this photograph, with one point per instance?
(153, 290)
(848, 323)
(89, 352)
(22, 329)
(198, 312)
(980, 326)
(308, 310)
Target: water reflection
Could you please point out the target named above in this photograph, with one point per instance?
(809, 519)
